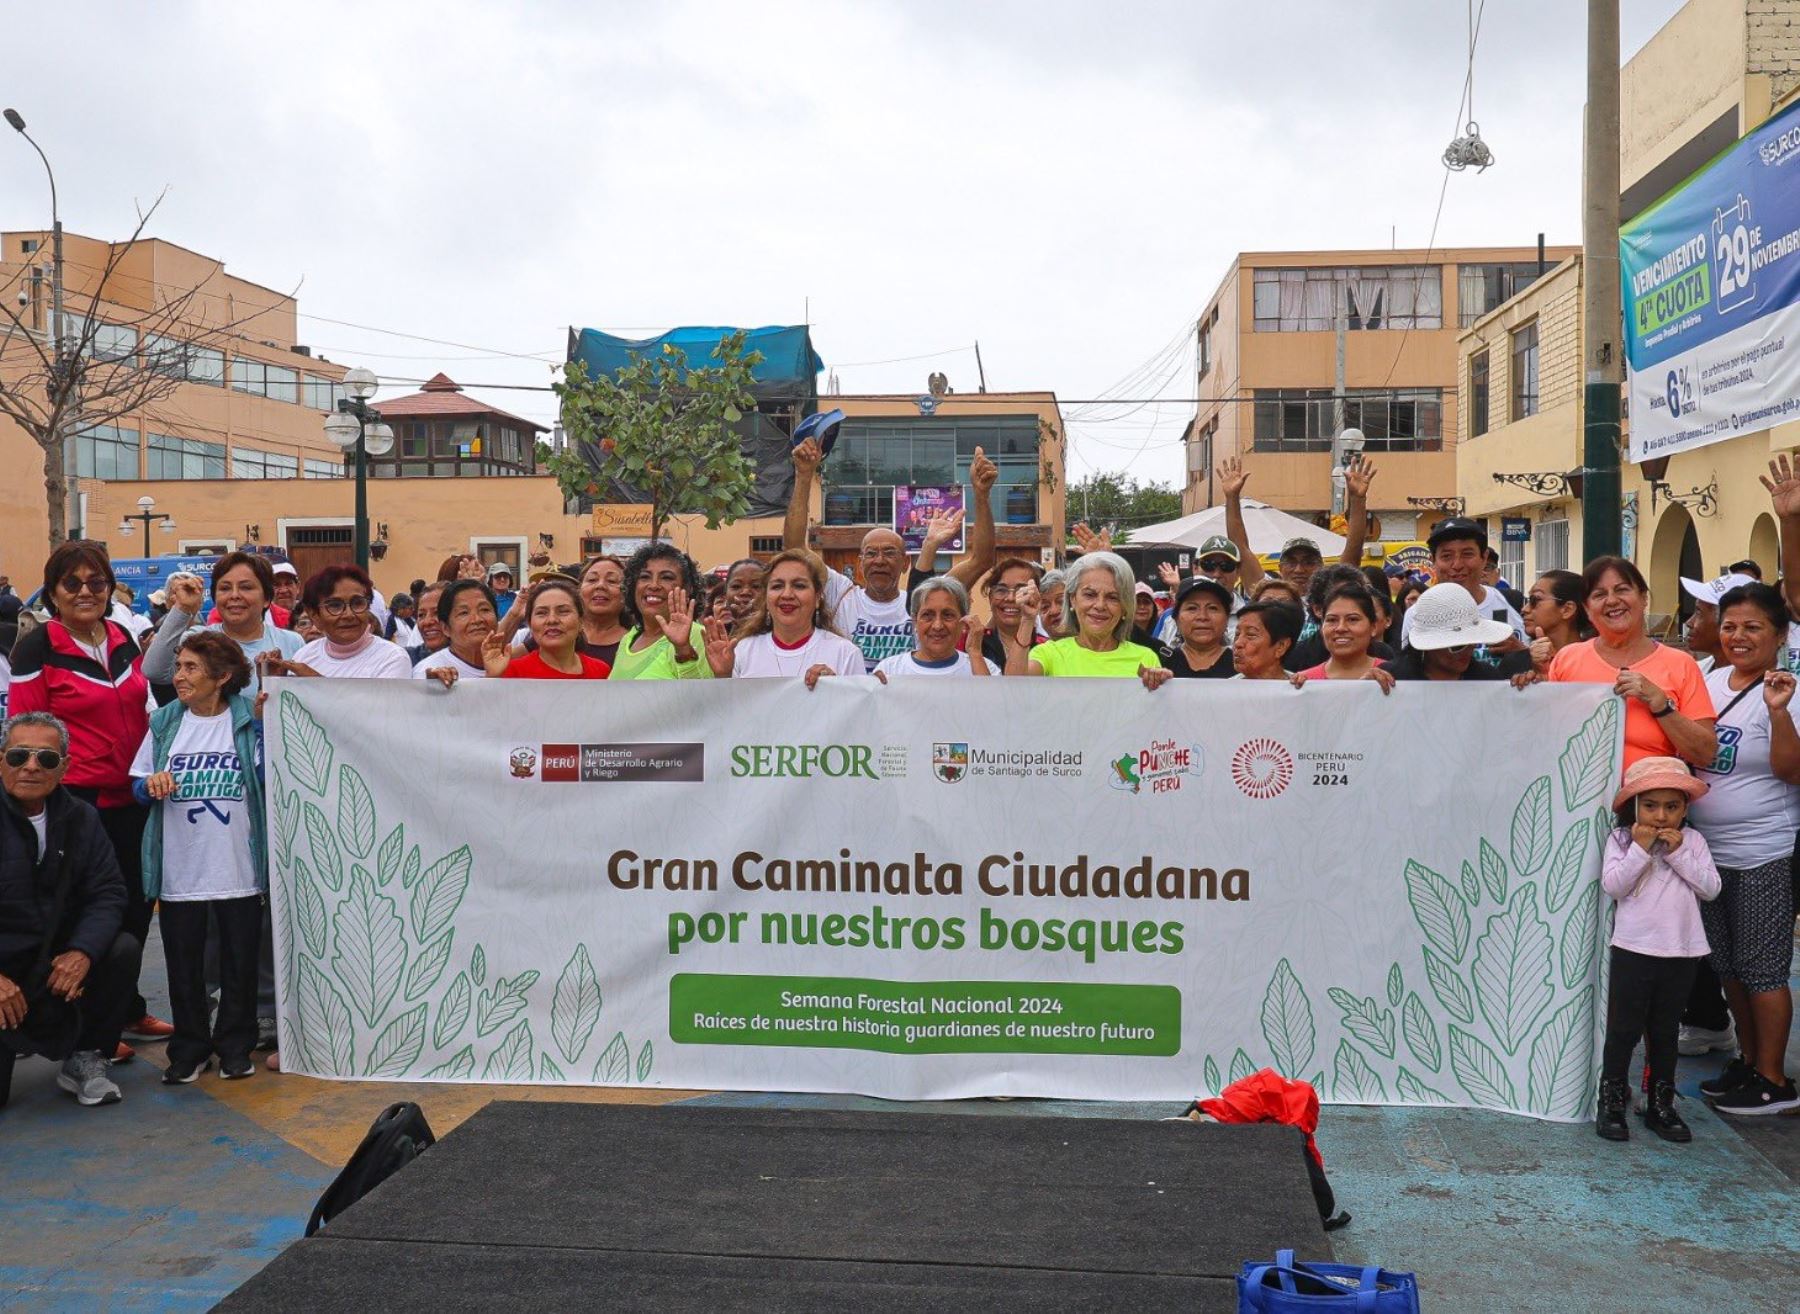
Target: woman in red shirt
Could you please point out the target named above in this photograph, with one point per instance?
(554, 615)
(1348, 627)
(1668, 712)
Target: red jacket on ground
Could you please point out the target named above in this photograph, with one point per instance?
(1267, 1096)
(105, 708)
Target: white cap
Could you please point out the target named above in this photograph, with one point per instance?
(1445, 616)
(285, 568)
(1713, 589)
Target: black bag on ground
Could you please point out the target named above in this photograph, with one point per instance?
(397, 1137)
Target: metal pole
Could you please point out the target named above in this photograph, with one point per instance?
(1337, 401)
(1601, 524)
(362, 504)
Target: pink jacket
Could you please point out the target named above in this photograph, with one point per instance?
(1658, 894)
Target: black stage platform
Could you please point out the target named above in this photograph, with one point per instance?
(686, 1207)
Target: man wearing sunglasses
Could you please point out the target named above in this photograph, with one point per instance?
(66, 966)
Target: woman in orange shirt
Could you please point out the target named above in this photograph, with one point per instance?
(1668, 712)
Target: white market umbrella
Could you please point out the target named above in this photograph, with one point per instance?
(1268, 527)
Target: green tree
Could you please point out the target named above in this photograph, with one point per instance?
(1115, 501)
(659, 431)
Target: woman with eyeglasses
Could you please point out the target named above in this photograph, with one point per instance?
(338, 599)
(1012, 582)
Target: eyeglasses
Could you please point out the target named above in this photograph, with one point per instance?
(1005, 591)
(48, 758)
(1458, 649)
(1218, 565)
(95, 584)
(338, 606)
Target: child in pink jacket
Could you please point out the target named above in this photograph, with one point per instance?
(1657, 871)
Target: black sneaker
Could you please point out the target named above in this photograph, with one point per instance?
(1758, 1096)
(1737, 1075)
(182, 1074)
(232, 1068)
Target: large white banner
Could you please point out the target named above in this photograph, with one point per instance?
(944, 889)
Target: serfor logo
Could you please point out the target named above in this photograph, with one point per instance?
(1262, 768)
(950, 762)
(523, 763)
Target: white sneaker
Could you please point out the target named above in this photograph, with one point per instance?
(1700, 1040)
(84, 1076)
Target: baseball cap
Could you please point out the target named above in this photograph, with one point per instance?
(822, 426)
(1710, 591)
(284, 568)
(1300, 546)
(1219, 546)
(1143, 590)
(1457, 527)
(1205, 584)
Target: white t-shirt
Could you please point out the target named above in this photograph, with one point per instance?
(40, 824)
(879, 629)
(381, 660)
(758, 656)
(1493, 605)
(132, 623)
(909, 663)
(406, 634)
(205, 824)
(274, 639)
(444, 657)
(1793, 647)
(1747, 815)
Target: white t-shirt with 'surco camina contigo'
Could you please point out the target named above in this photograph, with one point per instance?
(879, 629)
(1748, 816)
(205, 827)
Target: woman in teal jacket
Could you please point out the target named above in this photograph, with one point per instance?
(200, 767)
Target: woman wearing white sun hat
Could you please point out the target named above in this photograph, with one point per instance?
(1447, 627)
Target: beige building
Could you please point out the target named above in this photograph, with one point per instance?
(1713, 73)
(1268, 359)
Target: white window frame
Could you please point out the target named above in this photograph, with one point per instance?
(309, 522)
(1537, 543)
(1512, 563)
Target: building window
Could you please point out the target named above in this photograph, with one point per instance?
(1478, 394)
(1512, 563)
(1203, 348)
(170, 457)
(873, 455)
(276, 382)
(247, 463)
(319, 394)
(29, 245)
(1525, 371)
(1552, 537)
(1372, 297)
(1392, 420)
(323, 469)
(102, 452)
(509, 552)
(765, 545)
(114, 342)
(1199, 448)
(1480, 288)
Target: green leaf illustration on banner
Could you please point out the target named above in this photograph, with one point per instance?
(1210, 1072)
(1353, 1081)
(460, 1066)
(478, 966)
(356, 812)
(1448, 986)
(1565, 868)
(371, 947)
(397, 1047)
(453, 1012)
(646, 1060)
(287, 820)
(307, 750)
(547, 1069)
(411, 871)
(1530, 846)
(1560, 1057)
(393, 849)
(513, 1059)
(1396, 985)
(1576, 952)
(428, 965)
(575, 1008)
(289, 949)
(312, 910)
(1420, 1032)
(1409, 1087)
(496, 1007)
(326, 1027)
(1493, 872)
(1480, 1071)
(1439, 910)
(440, 891)
(1604, 825)
(1586, 762)
(1367, 1020)
(1317, 1082)
(1471, 886)
(328, 859)
(1287, 1021)
(614, 1067)
(1512, 969)
(1241, 1067)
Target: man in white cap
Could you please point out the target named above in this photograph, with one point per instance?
(287, 593)
(1702, 630)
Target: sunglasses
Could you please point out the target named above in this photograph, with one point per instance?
(48, 758)
(338, 606)
(95, 584)
(1218, 564)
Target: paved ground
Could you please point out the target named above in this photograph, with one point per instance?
(174, 1197)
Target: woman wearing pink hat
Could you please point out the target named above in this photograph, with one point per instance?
(1656, 871)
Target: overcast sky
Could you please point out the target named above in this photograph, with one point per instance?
(1065, 183)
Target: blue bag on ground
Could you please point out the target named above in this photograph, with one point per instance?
(1287, 1287)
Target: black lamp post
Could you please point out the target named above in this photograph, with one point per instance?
(357, 426)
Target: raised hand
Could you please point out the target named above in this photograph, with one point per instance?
(496, 654)
(721, 648)
(1231, 476)
(1358, 475)
(1778, 691)
(807, 456)
(943, 527)
(974, 631)
(1168, 575)
(1030, 603)
(1542, 650)
(1783, 483)
(186, 593)
(982, 473)
(1088, 541)
(679, 623)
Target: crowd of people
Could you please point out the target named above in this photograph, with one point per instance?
(132, 749)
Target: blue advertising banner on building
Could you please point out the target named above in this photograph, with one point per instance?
(1710, 277)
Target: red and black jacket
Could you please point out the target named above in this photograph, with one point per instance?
(105, 708)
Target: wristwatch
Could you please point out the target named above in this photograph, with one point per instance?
(1668, 708)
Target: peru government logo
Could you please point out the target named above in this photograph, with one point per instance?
(1262, 768)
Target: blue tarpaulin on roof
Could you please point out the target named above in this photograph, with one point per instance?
(790, 366)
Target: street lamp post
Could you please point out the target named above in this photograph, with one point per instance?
(148, 515)
(17, 121)
(357, 426)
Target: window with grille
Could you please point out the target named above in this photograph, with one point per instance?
(1552, 538)
(1525, 371)
(1478, 394)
